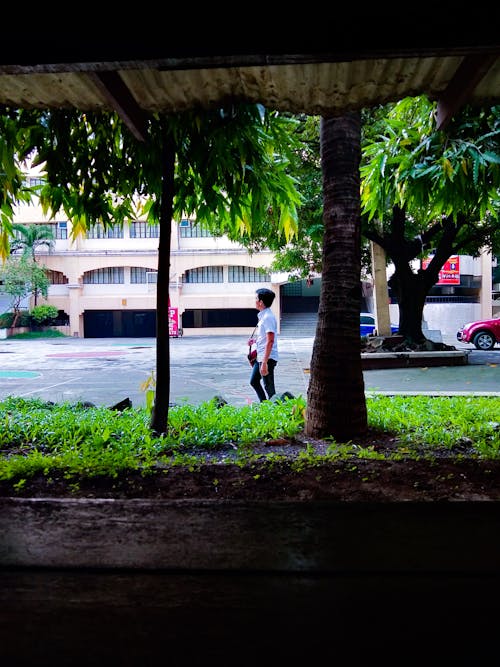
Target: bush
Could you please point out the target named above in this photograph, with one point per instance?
(6, 320)
(25, 319)
(44, 314)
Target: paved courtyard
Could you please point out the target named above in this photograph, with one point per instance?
(104, 371)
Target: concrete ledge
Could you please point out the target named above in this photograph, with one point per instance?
(376, 360)
(278, 536)
(103, 582)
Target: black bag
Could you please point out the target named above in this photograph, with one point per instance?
(252, 353)
(252, 356)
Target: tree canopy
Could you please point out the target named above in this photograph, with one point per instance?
(435, 175)
(31, 237)
(228, 168)
(14, 131)
(425, 193)
(429, 193)
(21, 277)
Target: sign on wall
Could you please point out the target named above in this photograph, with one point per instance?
(450, 271)
(173, 322)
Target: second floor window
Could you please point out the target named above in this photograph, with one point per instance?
(56, 277)
(33, 181)
(143, 230)
(98, 232)
(112, 275)
(205, 274)
(247, 274)
(60, 230)
(139, 274)
(190, 230)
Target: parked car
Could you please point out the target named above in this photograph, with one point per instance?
(367, 324)
(481, 333)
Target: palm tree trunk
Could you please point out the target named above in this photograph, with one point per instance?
(159, 414)
(336, 404)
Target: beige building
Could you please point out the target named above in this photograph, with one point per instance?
(105, 282)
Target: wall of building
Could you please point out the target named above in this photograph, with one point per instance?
(74, 257)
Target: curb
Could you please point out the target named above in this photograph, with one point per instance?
(380, 360)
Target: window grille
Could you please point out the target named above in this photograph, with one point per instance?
(56, 277)
(247, 274)
(138, 274)
(33, 181)
(205, 274)
(112, 275)
(98, 232)
(143, 230)
(59, 229)
(192, 230)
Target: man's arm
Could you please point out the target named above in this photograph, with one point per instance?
(267, 352)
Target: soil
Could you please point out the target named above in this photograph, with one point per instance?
(290, 476)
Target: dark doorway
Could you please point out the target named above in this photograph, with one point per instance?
(220, 317)
(119, 324)
(301, 296)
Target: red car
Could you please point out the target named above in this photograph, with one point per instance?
(482, 333)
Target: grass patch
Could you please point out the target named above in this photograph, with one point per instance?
(77, 441)
(30, 335)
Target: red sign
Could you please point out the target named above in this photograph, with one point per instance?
(450, 272)
(173, 321)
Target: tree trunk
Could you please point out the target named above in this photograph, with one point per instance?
(410, 290)
(159, 414)
(17, 315)
(336, 404)
(380, 296)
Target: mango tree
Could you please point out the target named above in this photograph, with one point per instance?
(429, 194)
(226, 167)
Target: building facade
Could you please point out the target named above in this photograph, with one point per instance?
(104, 283)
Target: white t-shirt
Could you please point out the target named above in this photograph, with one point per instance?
(267, 323)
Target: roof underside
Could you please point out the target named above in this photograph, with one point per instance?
(140, 81)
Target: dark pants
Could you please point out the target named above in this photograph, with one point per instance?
(268, 380)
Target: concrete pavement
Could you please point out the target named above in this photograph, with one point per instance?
(104, 371)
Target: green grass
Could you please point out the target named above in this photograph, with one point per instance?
(29, 335)
(42, 437)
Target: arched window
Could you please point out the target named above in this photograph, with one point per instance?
(205, 274)
(56, 277)
(112, 275)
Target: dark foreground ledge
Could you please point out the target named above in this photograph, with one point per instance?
(142, 582)
(279, 536)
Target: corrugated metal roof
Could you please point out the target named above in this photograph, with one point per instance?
(314, 87)
(323, 82)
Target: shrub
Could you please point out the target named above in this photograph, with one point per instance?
(24, 319)
(6, 320)
(43, 314)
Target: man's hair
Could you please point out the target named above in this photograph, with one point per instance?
(266, 296)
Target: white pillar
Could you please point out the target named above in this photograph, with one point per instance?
(75, 321)
(486, 285)
(380, 294)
